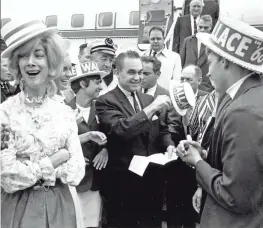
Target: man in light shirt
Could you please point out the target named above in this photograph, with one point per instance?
(171, 61)
(187, 25)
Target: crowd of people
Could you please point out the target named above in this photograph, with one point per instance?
(69, 132)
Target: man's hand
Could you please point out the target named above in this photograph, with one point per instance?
(161, 102)
(101, 159)
(188, 153)
(196, 200)
(5, 136)
(170, 150)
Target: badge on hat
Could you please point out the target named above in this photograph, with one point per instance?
(84, 70)
(182, 96)
(109, 42)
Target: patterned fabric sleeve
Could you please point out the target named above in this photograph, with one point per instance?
(73, 170)
(21, 173)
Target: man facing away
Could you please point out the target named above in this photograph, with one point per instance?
(171, 62)
(129, 120)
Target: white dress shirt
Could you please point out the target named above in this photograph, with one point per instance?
(232, 90)
(192, 23)
(151, 91)
(84, 112)
(130, 98)
(171, 66)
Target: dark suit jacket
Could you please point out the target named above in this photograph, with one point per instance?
(90, 149)
(189, 55)
(211, 8)
(182, 30)
(171, 118)
(129, 133)
(234, 178)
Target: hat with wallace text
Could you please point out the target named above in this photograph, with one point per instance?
(84, 70)
(236, 41)
(182, 96)
(17, 32)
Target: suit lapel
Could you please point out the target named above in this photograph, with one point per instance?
(194, 44)
(124, 101)
(92, 114)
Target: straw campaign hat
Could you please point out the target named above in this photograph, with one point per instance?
(182, 96)
(84, 70)
(17, 32)
(236, 41)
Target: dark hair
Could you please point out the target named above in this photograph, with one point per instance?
(75, 85)
(156, 28)
(82, 47)
(128, 54)
(197, 69)
(2, 45)
(156, 63)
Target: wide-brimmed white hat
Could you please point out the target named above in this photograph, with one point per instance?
(182, 96)
(17, 32)
(84, 70)
(236, 41)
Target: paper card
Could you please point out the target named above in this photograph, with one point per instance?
(139, 164)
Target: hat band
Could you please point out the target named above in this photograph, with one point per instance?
(25, 35)
(102, 47)
(244, 48)
(18, 29)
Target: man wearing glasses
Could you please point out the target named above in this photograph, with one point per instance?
(193, 52)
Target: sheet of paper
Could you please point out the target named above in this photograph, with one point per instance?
(139, 164)
(173, 158)
(157, 158)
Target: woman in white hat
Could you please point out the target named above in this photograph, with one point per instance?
(43, 154)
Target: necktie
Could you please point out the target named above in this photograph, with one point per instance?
(146, 90)
(5, 88)
(135, 103)
(154, 54)
(195, 26)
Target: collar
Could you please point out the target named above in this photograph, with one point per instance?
(192, 18)
(232, 90)
(58, 98)
(126, 93)
(151, 91)
(82, 108)
(163, 52)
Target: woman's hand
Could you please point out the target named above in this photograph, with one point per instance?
(101, 159)
(59, 158)
(98, 137)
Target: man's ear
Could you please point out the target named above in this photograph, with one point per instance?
(158, 73)
(116, 72)
(82, 84)
(225, 63)
(199, 81)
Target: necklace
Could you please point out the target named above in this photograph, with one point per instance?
(34, 101)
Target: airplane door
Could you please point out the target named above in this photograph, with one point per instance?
(153, 13)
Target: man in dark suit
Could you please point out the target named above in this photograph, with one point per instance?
(129, 120)
(187, 25)
(232, 175)
(193, 52)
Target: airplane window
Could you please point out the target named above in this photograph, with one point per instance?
(77, 20)
(134, 18)
(51, 21)
(105, 19)
(155, 16)
(4, 21)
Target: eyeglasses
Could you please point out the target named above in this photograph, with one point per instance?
(203, 27)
